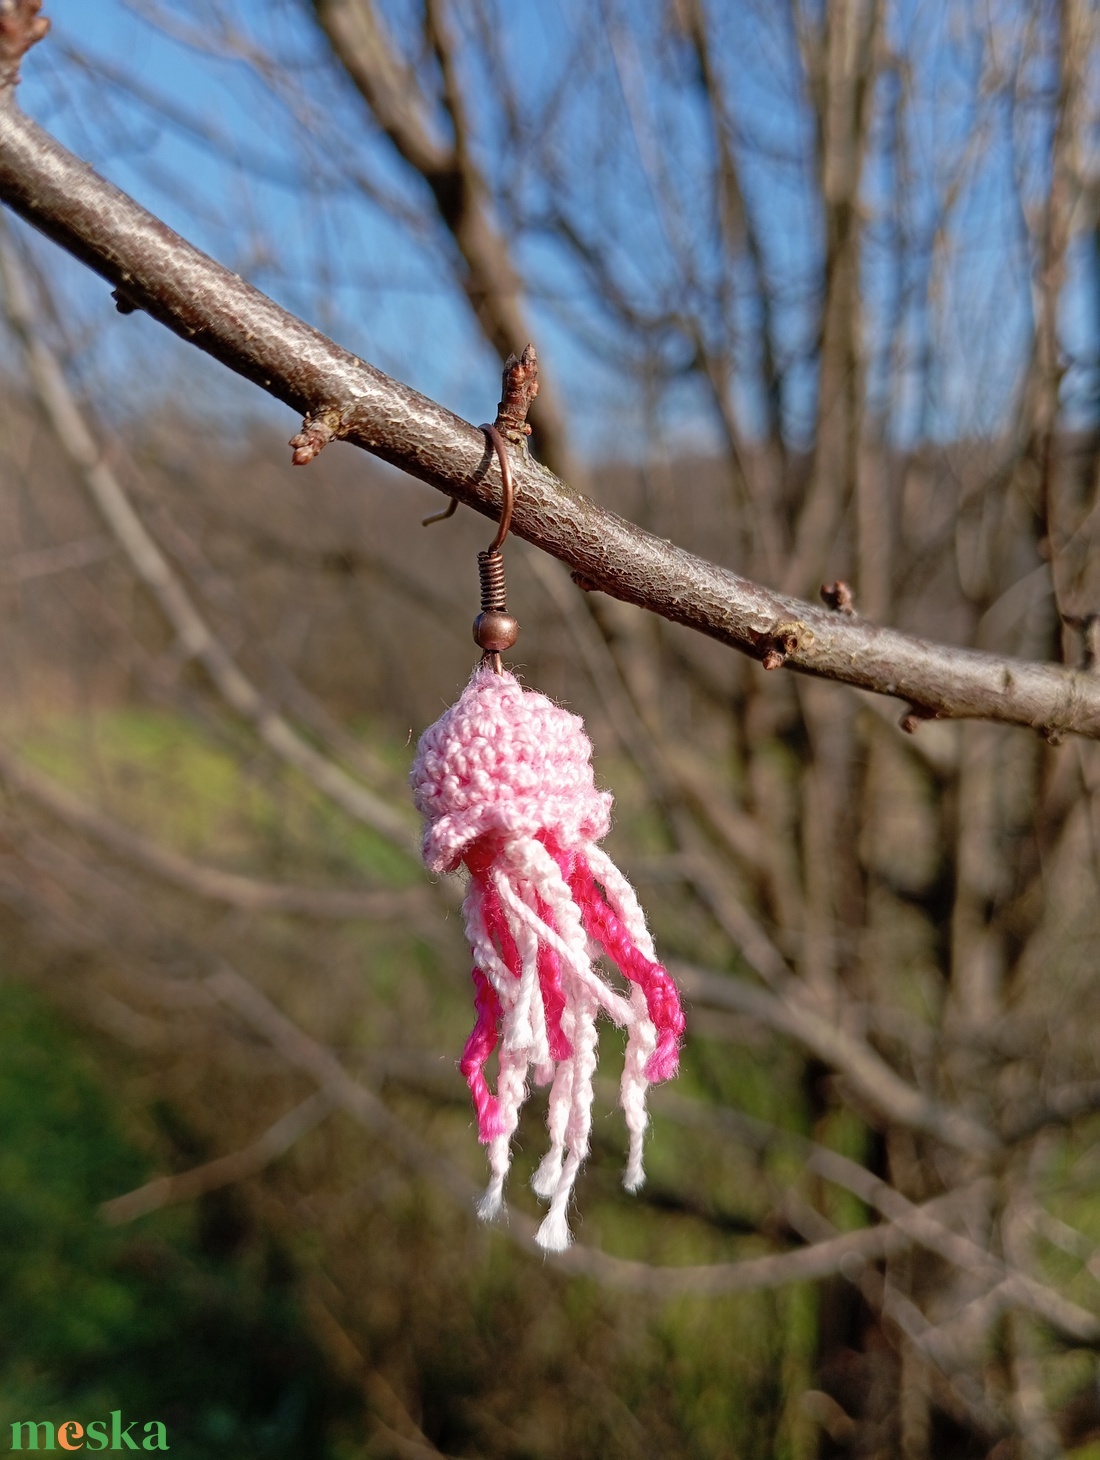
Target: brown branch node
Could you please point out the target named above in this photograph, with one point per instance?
(839, 597)
(783, 641)
(315, 435)
(914, 716)
(519, 385)
(21, 27)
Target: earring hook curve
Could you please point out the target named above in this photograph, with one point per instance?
(496, 440)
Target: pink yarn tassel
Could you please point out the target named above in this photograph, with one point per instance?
(504, 781)
(479, 1046)
(662, 1000)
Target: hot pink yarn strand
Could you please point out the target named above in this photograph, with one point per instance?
(480, 1045)
(662, 1000)
(553, 995)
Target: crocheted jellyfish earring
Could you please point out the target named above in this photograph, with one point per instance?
(504, 781)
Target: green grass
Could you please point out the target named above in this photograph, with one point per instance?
(204, 795)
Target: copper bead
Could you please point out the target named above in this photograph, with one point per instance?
(495, 631)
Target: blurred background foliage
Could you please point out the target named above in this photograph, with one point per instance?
(195, 1321)
(816, 288)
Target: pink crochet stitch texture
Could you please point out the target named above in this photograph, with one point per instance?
(504, 781)
(509, 761)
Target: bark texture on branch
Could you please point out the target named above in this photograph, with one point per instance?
(154, 269)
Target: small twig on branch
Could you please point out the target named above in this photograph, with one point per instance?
(216, 310)
(315, 435)
(839, 597)
(519, 387)
(1088, 626)
(914, 717)
(21, 27)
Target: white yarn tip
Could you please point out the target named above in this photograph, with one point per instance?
(545, 1181)
(491, 1204)
(554, 1234)
(634, 1175)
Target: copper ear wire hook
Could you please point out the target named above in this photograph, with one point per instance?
(448, 511)
(494, 628)
(508, 491)
(496, 440)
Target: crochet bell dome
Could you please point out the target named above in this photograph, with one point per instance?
(506, 761)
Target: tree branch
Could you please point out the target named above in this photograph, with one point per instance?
(363, 46)
(154, 269)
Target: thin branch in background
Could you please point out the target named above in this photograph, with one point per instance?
(65, 557)
(390, 1419)
(867, 1071)
(248, 1161)
(250, 894)
(360, 40)
(667, 768)
(964, 1395)
(153, 568)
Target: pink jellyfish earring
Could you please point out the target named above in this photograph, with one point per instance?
(504, 781)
